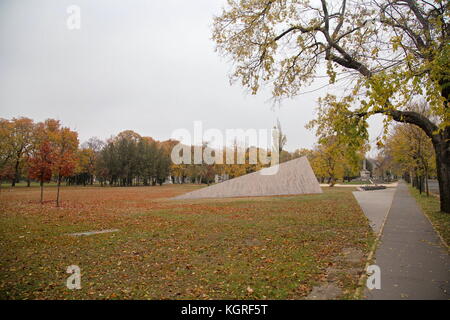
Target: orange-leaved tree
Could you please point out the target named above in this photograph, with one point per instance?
(65, 142)
(41, 163)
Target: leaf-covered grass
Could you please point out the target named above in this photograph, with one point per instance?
(279, 247)
(431, 207)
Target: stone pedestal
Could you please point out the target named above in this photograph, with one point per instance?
(365, 174)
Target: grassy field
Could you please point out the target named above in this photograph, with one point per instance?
(430, 205)
(241, 248)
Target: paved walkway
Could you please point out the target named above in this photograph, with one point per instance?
(387, 185)
(375, 205)
(414, 264)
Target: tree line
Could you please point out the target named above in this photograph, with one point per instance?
(124, 160)
(47, 151)
(409, 152)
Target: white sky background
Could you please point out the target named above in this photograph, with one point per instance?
(148, 66)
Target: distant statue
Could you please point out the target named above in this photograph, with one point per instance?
(364, 173)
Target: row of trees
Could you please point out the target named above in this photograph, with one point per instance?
(412, 154)
(405, 151)
(206, 173)
(124, 160)
(409, 153)
(39, 151)
(47, 151)
(331, 161)
(129, 159)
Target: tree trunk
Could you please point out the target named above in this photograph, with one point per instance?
(420, 184)
(42, 192)
(16, 173)
(442, 149)
(416, 182)
(332, 181)
(57, 192)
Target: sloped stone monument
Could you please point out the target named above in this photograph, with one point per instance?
(292, 177)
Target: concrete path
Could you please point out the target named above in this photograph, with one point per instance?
(375, 205)
(387, 185)
(413, 261)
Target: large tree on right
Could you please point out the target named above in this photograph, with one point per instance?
(389, 52)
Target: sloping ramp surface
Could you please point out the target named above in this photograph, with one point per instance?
(375, 205)
(292, 177)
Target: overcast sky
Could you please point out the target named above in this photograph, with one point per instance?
(148, 66)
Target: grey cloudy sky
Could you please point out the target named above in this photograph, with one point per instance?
(148, 66)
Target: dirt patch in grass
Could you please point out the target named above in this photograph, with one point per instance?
(246, 248)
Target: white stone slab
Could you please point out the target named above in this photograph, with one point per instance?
(89, 233)
(292, 177)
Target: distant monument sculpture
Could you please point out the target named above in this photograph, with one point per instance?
(293, 177)
(364, 173)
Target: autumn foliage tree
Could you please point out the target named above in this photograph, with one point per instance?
(392, 51)
(53, 152)
(411, 149)
(130, 159)
(41, 163)
(21, 139)
(16, 137)
(85, 167)
(65, 142)
(333, 159)
(6, 149)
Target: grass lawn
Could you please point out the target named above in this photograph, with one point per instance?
(22, 184)
(240, 248)
(430, 205)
